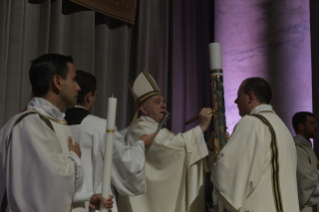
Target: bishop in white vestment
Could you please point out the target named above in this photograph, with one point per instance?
(176, 165)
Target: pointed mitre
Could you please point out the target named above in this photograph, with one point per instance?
(143, 88)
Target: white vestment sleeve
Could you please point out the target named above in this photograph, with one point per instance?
(192, 140)
(201, 145)
(308, 179)
(127, 168)
(316, 192)
(196, 144)
(80, 184)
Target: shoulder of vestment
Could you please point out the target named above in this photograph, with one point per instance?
(145, 123)
(306, 148)
(303, 145)
(249, 120)
(149, 125)
(35, 118)
(94, 121)
(14, 120)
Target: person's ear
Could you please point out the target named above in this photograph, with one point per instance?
(143, 110)
(301, 127)
(251, 96)
(56, 83)
(89, 97)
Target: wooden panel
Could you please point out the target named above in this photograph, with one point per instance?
(124, 10)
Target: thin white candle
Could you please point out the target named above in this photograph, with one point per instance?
(215, 56)
(108, 151)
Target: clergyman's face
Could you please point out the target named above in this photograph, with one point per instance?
(242, 101)
(155, 108)
(69, 87)
(310, 128)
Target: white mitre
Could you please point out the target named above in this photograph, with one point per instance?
(143, 88)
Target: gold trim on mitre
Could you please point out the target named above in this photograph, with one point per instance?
(146, 96)
(150, 81)
(152, 89)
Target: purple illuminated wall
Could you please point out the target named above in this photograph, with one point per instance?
(269, 39)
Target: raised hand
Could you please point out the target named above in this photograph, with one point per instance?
(205, 117)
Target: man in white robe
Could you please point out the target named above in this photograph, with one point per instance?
(128, 161)
(176, 165)
(305, 127)
(257, 168)
(40, 166)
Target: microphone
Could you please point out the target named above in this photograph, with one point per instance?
(165, 118)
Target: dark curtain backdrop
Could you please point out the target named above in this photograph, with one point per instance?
(189, 74)
(170, 40)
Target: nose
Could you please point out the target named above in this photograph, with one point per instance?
(236, 101)
(77, 87)
(163, 105)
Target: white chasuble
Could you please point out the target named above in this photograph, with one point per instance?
(307, 175)
(39, 172)
(175, 170)
(257, 168)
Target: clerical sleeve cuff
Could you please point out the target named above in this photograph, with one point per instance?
(75, 157)
(316, 191)
(79, 171)
(198, 131)
(139, 142)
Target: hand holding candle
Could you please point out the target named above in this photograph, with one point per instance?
(215, 59)
(108, 151)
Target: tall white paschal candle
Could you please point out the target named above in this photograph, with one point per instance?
(108, 151)
(218, 103)
(215, 56)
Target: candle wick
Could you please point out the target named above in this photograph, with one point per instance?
(112, 95)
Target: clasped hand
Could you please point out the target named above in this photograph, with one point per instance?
(74, 148)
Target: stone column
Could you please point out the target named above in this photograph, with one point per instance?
(269, 39)
(314, 23)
